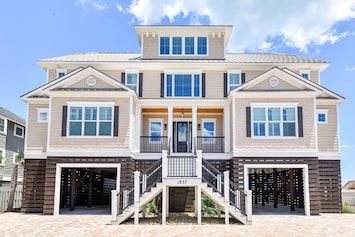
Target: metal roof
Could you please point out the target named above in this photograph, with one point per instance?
(11, 116)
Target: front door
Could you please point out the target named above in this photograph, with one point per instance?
(182, 137)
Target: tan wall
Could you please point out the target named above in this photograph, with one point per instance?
(214, 84)
(151, 84)
(264, 85)
(306, 142)
(36, 132)
(328, 134)
(83, 84)
(57, 141)
(52, 75)
(314, 76)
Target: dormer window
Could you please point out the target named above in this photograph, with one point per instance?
(61, 72)
(305, 74)
(183, 46)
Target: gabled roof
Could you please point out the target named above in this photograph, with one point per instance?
(12, 116)
(63, 83)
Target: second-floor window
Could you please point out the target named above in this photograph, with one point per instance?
(183, 85)
(42, 116)
(90, 121)
(132, 80)
(183, 46)
(234, 80)
(2, 125)
(274, 121)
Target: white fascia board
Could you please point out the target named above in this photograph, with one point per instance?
(274, 153)
(275, 94)
(89, 153)
(35, 155)
(200, 102)
(91, 94)
(329, 156)
(329, 101)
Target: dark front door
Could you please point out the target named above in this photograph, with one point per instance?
(182, 136)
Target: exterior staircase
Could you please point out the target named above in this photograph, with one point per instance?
(181, 171)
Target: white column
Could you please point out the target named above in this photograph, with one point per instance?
(234, 135)
(199, 209)
(164, 164)
(248, 205)
(226, 186)
(114, 209)
(167, 201)
(199, 164)
(170, 126)
(164, 205)
(227, 130)
(139, 127)
(194, 126)
(136, 196)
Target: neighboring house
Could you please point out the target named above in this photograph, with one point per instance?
(263, 117)
(348, 192)
(12, 141)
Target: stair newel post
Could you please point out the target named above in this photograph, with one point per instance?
(199, 164)
(125, 199)
(237, 199)
(219, 183)
(164, 164)
(144, 183)
(137, 175)
(114, 205)
(226, 195)
(248, 205)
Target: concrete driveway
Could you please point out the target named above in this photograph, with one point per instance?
(19, 224)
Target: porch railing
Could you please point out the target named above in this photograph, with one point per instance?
(153, 144)
(210, 144)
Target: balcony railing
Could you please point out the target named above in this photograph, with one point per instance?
(154, 144)
(210, 144)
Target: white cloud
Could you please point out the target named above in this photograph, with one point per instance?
(348, 146)
(300, 24)
(97, 4)
(350, 69)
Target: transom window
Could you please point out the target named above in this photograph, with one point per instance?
(90, 121)
(132, 80)
(183, 85)
(274, 121)
(234, 80)
(183, 45)
(155, 130)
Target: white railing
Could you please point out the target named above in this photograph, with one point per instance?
(5, 194)
(182, 166)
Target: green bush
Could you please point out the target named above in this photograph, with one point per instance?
(209, 208)
(347, 208)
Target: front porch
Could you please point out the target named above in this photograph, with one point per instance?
(173, 171)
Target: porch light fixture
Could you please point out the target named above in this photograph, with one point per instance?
(182, 114)
(199, 126)
(165, 126)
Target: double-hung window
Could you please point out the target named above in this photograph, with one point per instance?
(164, 45)
(177, 45)
(90, 121)
(155, 130)
(274, 121)
(209, 130)
(19, 131)
(132, 80)
(2, 125)
(189, 45)
(234, 80)
(201, 45)
(183, 85)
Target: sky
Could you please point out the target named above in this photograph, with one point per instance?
(39, 29)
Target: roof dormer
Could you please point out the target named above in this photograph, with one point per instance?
(183, 42)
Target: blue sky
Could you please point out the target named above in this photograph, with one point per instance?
(321, 29)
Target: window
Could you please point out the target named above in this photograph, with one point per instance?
(322, 116)
(209, 130)
(61, 72)
(14, 158)
(42, 115)
(189, 45)
(2, 125)
(183, 85)
(164, 45)
(155, 130)
(274, 121)
(234, 80)
(177, 45)
(90, 121)
(305, 74)
(201, 45)
(2, 157)
(132, 80)
(18, 131)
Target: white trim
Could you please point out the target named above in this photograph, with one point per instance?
(35, 155)
(14, 157)
(89, 153)
(322, 111)
(3, 161)
(270, 166)
(20, 127)
(58, 175)
(39, 112)
(329, 156)
(276, 152)
(5, 125)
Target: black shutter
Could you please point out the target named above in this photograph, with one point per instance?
(203, 84)
(64, 120)
(225, 84)
(248, 121)
(162, 85)
(140, 89)
(243, 77)
(115, 121)
(123, 78)
(300, 121)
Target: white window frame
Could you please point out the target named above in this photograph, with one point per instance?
(41, 111)
(59, 71)
(3, 161)
(274, 105)
(5, 126)
(155, 120)
(126, 78)
(89, 104)
(183, 45)
(14, 158)
(192, 73)
(229, 72)
(20, 127)
(209, 120)
(307, 72)
(325, 112)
